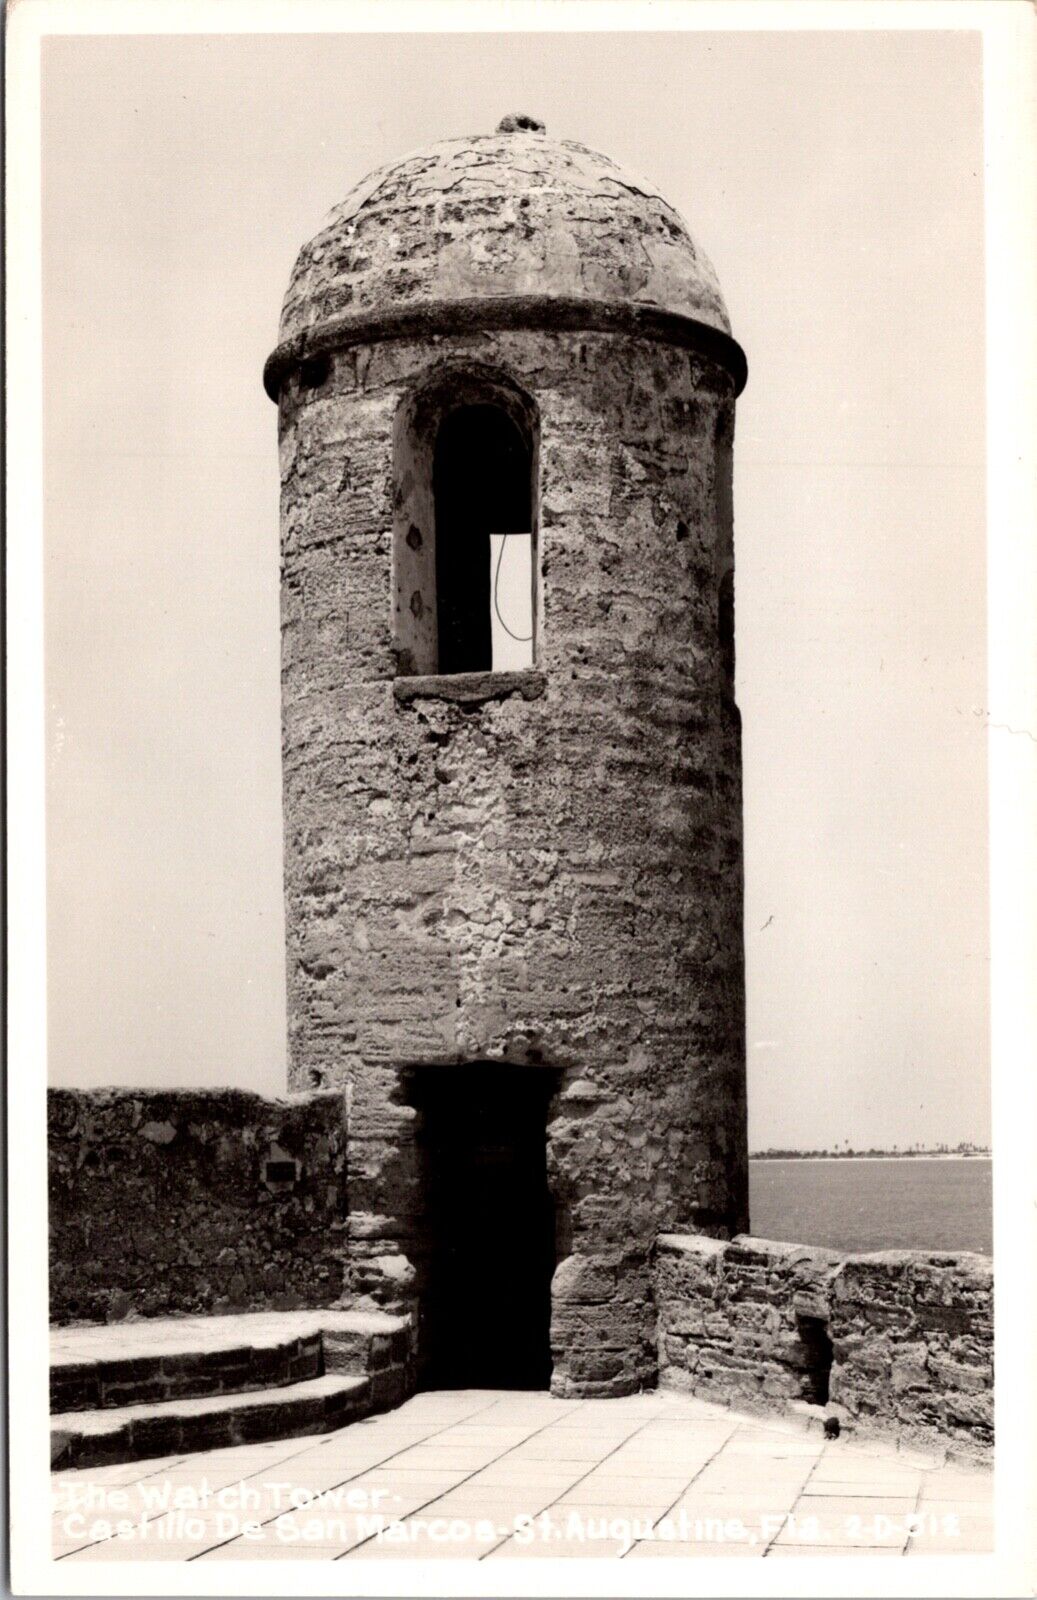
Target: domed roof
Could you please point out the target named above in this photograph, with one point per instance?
(511, 216)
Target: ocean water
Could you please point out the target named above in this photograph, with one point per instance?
(896, 1204)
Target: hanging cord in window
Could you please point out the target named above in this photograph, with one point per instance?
(520, 638)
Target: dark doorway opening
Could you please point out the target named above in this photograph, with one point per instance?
(482, 483)
(816, 1349)
(489, 1248)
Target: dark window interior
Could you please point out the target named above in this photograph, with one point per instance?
(489, 1225)
(481, 484)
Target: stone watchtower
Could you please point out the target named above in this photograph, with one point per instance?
(512, 774)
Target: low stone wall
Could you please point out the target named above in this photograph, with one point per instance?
(192, 1201)
(900, 1341)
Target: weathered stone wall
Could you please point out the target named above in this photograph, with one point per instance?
(898, 1341)
(913, 1337)
(193, 1201)
(544, 868)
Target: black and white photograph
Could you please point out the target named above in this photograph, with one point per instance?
(520, 853)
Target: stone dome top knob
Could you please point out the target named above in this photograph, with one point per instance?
(518, 122)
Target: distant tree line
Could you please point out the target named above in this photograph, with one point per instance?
(845, 1149)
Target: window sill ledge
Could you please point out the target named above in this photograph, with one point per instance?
(471, 688)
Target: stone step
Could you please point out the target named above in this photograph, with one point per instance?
(169, 1427)
(166, 1385)
(176, 1358)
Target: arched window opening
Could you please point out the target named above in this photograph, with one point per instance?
(465, 505)
(484, 535)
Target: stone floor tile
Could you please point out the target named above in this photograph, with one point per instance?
(268, 1450)
(893, 1478)
(850, 1522)
(954, 1531)
(394, 1425)
(773, 1448)
(687, 1441)
(879, 1485)
(627, 1422)
(488, 1445)
(379, 1444)
(336, 1470)
(121, 1550)
(790, 1452)
(604, 1442)
(672, 1550)
(642, 1448)
(241, 1550)
(432, 1457)
(517, 1428)
(788, 1461)
(318, 1527)
(848, 1465)
(700, 1506)
(654, 1448)
(781, 1551)
(394, 1494)
(570, 1446)
(178, 1483)
(423, 1545)
(651, 1403)
(927, 1460)
(676, 1400)
(406, 1432)
(743, 1528)
(743, 1476)
(981, 1546)
(560, 1549)
(125, 1472)
(951, 1483)
(750, 1492)
(466, 1501)
(935, 1509)
(851, 1506)
(602, 1488)
(583, 1511)
(371, 1445)
(524, 1403)
(437, 1404)
(876, 1446)
(60, 1546)
(676, 1425)
(673, 1464)
(508, 1471)
(848, 1530)
(515, 1433)
(328, 1464)
(939, 1508)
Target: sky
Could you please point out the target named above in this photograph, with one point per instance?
(835, 181)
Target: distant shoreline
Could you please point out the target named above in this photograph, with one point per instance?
(950, 1155)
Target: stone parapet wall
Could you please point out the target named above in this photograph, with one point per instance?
(192, 1200)
(899, 1341)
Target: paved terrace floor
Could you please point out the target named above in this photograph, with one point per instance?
(495, 1476)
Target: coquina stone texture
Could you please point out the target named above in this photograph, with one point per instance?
(542, 867)
(193, 1201)
(898, 1341)
(498, 217)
